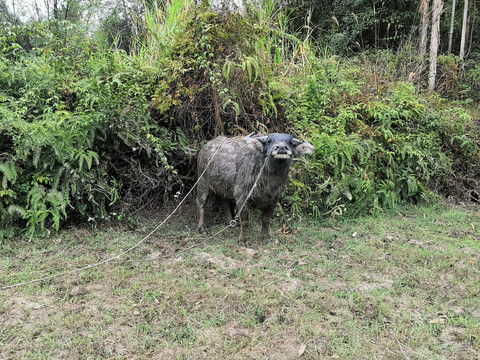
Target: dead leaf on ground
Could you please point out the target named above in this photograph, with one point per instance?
(439, 319)
(285, 229)
(302, 349)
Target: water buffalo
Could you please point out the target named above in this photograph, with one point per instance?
(235, 168)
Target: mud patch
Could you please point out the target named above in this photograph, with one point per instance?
(373, 281)
(286, 346)
(20, 310)
(24, 315)
(289, 285)
(166, 354)
(210, 261)
(238, 332)
(453, 346)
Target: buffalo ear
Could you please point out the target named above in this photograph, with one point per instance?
(302, 148)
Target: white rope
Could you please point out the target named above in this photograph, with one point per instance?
(180, 251)
(74, 271)
(232, 224)
(253, 188)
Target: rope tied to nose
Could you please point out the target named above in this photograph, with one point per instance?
(254, 186)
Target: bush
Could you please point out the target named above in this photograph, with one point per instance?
(374, 150)
(76, 135)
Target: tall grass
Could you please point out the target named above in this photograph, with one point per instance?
(276, 44)
(161, 24)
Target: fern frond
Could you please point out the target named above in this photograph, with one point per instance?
(58, 175)
(36, 155)
(227, 66)
(9, 173)
(14, 210)
(57, 203)
(55, 198)
(35, 197)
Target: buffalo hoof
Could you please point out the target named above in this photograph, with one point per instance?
(203, 230)
(243, 241)
(266, 237)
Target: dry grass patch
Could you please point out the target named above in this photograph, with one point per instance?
(390, 287)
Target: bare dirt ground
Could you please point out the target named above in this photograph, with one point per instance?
(404, 285)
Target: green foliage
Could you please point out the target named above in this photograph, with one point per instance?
(42, 204)
(471, 85)
(9, 174)
(352, 26)
(88, 129)
(373, 154)
(76, 130)
(163, 24)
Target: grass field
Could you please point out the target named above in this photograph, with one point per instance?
(404, 285)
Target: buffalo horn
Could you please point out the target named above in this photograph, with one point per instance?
(262, 139)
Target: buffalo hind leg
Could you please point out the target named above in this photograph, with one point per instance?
(244, 214)
(266, 217)
(202, 194)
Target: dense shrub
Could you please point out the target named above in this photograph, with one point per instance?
(374, 150)
(90, 131)
(75, 130)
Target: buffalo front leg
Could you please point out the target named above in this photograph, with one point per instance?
(202, 194)
(266, 217)
(244, 214)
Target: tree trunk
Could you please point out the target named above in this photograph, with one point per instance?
(55, 9)
(47, 6)
(219, 127)
(464, 33)
(37, 10)
(13, 9)
(450, 33)
(470, 27)
(422, 49)
(67, 7)
(434, 42)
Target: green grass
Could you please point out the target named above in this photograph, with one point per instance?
(404, 284)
